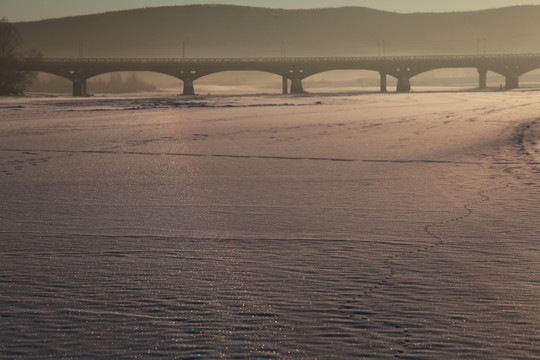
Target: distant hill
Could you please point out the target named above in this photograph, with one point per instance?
(236, 31)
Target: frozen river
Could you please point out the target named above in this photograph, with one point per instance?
(364, 226)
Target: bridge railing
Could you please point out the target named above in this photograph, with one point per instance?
(283, 59)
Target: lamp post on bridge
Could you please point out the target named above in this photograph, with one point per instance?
(383, 80)
(478, 45)
(284, 80)
(381, 46)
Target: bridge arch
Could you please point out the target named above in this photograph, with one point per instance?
(72, 79)
(110, 81)
(532, 76)
(239, 81)
(80, 87)
(164, 73)
(513, 72)
(57, 74)
(130, 81)
(48, 81)
(346, 79)
(451, 76)
(531, 70)
(511, 75)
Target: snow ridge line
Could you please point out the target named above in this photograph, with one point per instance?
(238, 156)
(439, 241)
(402, 346)
(520, 141)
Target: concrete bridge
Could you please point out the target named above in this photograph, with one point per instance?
(403, 68)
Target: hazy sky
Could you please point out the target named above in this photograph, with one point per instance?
(21, 10)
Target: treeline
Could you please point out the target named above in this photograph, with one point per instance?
(13, 82)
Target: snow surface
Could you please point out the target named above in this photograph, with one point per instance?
(268, 226)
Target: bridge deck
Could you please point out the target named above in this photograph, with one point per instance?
(403, 68)
(485, 57)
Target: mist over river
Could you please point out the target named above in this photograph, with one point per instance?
(341, 226)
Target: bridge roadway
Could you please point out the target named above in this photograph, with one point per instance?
(403, 68)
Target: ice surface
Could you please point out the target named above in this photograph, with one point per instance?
(268, 226)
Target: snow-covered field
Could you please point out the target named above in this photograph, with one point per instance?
(340, 226)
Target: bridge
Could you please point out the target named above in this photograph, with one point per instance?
(291, 70)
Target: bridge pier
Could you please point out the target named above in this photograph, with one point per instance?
(404, 84)
(284, 85)
(482, 78)
(296, 86)
(512, 81)
(189, 89)
(79, 87)
(383, 82)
